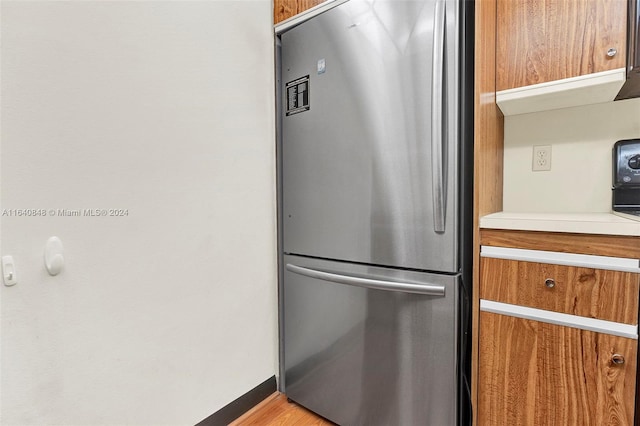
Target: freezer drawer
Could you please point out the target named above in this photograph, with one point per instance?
(370, 346)
(364, 177)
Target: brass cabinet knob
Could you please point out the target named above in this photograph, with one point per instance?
(550, 282)
(612, 52)
(617, 359)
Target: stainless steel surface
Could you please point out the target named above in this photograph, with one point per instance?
(631, 87)
(279, 107)
(438, 105)
(369, 357)
(357, 166)
(550, 282)
(370, 213)
(375, 284)
(617, 359)
(612, 52)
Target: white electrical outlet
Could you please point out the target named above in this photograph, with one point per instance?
(541, 158)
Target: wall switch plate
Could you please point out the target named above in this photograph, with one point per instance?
(541, 158)
(9, 271)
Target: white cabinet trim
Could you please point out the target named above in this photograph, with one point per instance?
(569, 92)
(567, 259)
(550, 317)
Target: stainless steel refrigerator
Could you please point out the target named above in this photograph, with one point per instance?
(375, 205)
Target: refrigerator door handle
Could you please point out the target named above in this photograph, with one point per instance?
(426, 289)
(438, 108)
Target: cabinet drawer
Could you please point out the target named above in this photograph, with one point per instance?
(534, 373)
(587, 292)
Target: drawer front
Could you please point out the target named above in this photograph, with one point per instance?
(534, 373)
(588, 292)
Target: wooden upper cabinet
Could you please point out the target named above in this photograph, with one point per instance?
(285, 9)
(545, 40)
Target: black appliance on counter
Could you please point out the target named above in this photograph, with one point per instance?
(626, 178)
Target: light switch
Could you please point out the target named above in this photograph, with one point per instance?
(9, 271)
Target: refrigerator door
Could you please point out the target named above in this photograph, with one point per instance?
(370, 346)
(369, 134)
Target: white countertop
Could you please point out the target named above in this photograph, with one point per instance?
(581, 223)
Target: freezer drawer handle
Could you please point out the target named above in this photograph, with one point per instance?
(428, 289)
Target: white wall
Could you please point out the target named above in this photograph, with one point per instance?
(164, 109)
(582, 139)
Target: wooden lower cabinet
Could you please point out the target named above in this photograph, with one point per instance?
(535, 373)
(552, 310)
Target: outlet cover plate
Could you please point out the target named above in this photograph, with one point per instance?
(541, 160)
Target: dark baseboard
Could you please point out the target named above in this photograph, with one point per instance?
(235, 409)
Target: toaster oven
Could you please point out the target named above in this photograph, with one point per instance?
(626, 178)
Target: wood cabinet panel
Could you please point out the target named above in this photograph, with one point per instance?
(488, 152)
(533, 373)
(546, 40)
(599, 245)
(285, 9)
(586, 292)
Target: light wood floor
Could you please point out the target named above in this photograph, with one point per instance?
(276, 410)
